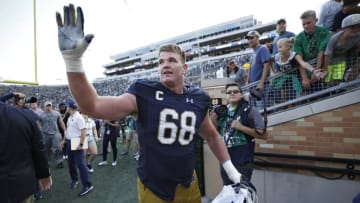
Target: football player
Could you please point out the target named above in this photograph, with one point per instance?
(169, 116)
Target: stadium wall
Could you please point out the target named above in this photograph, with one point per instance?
(317, 136)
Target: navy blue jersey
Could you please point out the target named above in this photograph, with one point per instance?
(167, 126)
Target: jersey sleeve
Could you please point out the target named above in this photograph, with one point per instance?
(132, 87)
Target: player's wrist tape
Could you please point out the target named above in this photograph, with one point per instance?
(231, 171)
(73, 65)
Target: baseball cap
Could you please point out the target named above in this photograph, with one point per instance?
(232, 62)
(48, 103)
(282, 20)
(246, 66)
(350, 20)
(252, 33)
(71, 104)
(32, 100)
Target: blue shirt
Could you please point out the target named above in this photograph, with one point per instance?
(260, 56)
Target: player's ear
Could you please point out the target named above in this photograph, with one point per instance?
(185, 68)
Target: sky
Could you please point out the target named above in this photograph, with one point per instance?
(118, 26)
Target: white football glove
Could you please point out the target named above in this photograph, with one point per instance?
(237, 193)
(72, 42)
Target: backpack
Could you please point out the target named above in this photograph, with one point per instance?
(243, 113)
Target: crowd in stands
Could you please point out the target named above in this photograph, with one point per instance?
(116, 86)
(210, 67)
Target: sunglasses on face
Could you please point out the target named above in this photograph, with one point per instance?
(233, 92)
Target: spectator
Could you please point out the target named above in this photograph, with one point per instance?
(49, 120)
(338, 48)
(123, 125)
(286, 61)
(92, 138)
(130, 135)
(19, 102)
(239, 75)
(282, 33)
(353, 6)
(34, 106)
(310, 44)
(327, 13)
(339, 16)
(239, 126)
(349, 7)
(259, 65)
(246, 67)
(76, 130)
(111, 134)
(98, 123)
(22, 155)
(64, 116)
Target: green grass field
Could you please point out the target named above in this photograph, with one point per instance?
(111, 184)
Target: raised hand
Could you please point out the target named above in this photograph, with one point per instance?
(72, 42)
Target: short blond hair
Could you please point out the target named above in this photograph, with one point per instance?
(174, 49)
(286, 41)
(307, 14)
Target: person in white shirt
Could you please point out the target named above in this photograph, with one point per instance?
(327, 13)
(76, 128)
(92, 138)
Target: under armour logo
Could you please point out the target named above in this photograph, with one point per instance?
(189, 100)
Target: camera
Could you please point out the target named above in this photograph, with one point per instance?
(27, 100)
(220, 110)
(31, 100)
(17, 98)
(256, 93)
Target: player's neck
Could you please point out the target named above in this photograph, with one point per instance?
(178, 89)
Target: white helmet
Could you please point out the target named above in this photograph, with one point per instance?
(237, 193)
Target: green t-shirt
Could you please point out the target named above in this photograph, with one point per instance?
(309, 46)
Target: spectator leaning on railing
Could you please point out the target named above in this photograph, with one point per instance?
(311, 44)
(337, 50)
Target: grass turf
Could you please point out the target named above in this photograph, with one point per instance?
(111, 184)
